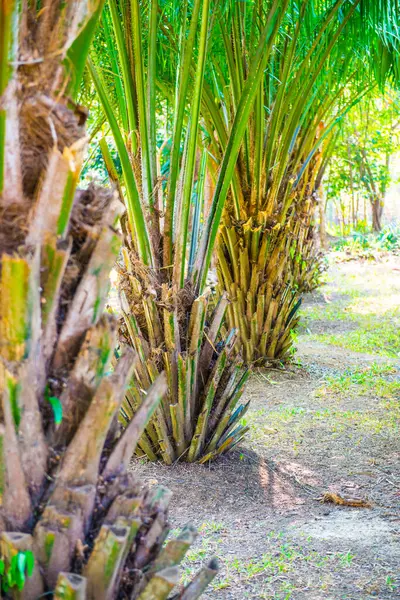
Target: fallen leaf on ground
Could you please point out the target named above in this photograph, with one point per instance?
(340, 501)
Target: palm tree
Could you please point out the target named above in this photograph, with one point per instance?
(164, 295)
(266, 238)
(73, 520)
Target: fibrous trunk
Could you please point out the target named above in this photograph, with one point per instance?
(200, 416)
(255, 268)
(67, 496)
(264, 265)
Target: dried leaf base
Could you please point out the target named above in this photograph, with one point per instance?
(200, 416)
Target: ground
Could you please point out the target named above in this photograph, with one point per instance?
(328, 423)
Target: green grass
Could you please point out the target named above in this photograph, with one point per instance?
(276, 574)
(270, 428)
(380, 381)
(275, 430)
(366, 298)
(327, 412)
(374, 326)
(358, 422)
(373, 336)
(335, 311)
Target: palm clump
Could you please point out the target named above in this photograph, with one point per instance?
(66, 493)
(168, 236)
(199, 417)
(264, 263)
(267, 253)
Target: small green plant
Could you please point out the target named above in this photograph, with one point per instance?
(211, 527)
(21, 567)
(391, 583)
(346, 559)
(368, 246)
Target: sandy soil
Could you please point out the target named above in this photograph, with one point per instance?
(259, 509)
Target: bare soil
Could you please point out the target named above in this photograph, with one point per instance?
(259, 509)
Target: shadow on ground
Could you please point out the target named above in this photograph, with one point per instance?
(331, 423)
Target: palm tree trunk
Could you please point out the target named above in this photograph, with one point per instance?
(179, 332)
(255, 267)
(263, 266)
(71, 513)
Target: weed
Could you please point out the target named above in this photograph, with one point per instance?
(211, 527)
(346, 560)
(391, 583)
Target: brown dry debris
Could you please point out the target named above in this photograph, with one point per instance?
(340, 501)
(137, 281)
(13, 228)
(44, 124)
(89, 215)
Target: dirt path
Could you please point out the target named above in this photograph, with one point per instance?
(329, 424)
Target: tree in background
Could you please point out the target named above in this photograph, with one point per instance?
(267, 242)
(360, 169)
